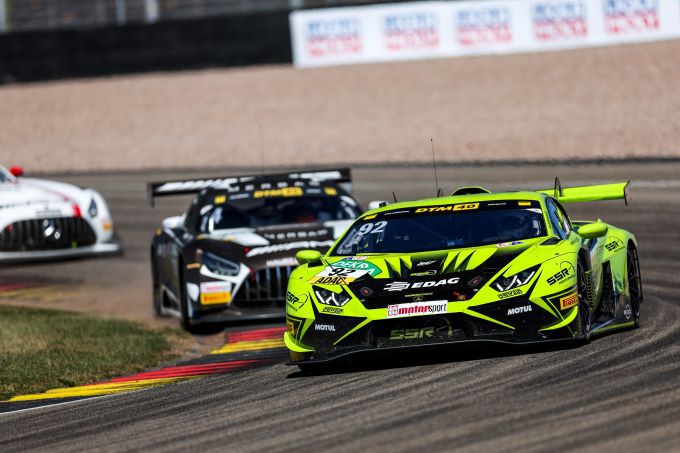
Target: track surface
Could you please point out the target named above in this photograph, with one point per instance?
(621, 391)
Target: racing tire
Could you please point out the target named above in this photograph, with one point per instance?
(184, 319)
(155, 287)
(583, 304)
(634, 283)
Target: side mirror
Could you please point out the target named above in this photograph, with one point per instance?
(592, 230)
(377, 204)
(307, 256)
(16, 171)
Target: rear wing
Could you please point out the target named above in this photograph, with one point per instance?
(342, 176)
(615, 191)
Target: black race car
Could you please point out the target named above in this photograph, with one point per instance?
(230, 255)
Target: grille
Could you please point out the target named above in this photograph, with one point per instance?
(46, 234)
(264, 288)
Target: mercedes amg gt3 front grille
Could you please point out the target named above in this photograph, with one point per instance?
(46, 234)
(264, 288)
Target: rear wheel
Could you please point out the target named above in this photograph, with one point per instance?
(583, 304)
(185, 316)
(634, 284)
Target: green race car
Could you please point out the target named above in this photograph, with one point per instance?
(474, 266)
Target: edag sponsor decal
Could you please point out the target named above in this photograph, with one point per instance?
(411, 31)
(435, 307)
(402, 286)
(559, 20)
(483, 26)
(629, 16)
(329, 37)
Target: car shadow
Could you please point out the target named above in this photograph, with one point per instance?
(375, 360)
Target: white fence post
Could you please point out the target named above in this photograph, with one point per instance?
(3, 16)
(151, 10)
(120, 12)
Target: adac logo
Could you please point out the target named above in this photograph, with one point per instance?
(411, 31)
(330, 37)
(560, 20)
(630, 16)
(483, 26)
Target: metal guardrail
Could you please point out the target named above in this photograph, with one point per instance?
(25, 15)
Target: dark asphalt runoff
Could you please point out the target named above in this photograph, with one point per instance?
(620, 392)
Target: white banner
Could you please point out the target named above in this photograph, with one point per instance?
(408, 31)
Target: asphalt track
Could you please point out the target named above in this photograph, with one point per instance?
(622, 391)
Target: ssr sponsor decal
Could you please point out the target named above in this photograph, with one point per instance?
(566, 273)
(630, 16)
(358, 265)
(334, 37)
(332, 310)
(410, 31)
(483, 26)
(518, 310)
(411, 334)
(324, 327)
(453, 207)
(278, 248)
(215, 293)
(511, 293)
(613, 245)
(403, 286)
(295, 302)
(282, 192)
(568, 301)
(435, 307)
(559, 20)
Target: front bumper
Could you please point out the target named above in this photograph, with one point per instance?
(100, 249)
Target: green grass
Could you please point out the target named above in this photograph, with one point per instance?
(44, 349)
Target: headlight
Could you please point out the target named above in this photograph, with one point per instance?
(217, 264)
(514, 281)
(92, 210)
(327, 297)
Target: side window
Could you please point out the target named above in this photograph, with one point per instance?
(556, 218)
(564, 218)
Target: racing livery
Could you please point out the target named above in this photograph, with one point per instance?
(41, 220)
(474, 266)
(231, 254)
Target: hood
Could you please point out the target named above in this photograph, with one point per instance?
(27, 192)
(381, 279)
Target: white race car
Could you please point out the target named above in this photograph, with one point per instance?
(42, 220)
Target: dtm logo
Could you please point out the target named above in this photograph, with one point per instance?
(560, 20)
(411, 31)
(334, 37)
(484, 26)
(625, 16)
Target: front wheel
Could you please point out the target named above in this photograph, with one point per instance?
(583, 304)
(155, 286)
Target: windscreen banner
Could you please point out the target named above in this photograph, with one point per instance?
(408, 31)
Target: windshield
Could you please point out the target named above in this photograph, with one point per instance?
(443, 227)
(261, 212)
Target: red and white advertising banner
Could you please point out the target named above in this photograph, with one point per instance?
(408, 31)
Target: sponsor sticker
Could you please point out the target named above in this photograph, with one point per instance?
(282, 192)
(358, 265)
(411, 334)
(220, 199)
(331, 191)
(514, 292)
(281, 262)
(559, 20)
(568, 301)
(337, 276)
(332, 310)
(630, 16)
(508, 244)
(523, 203)
(483, 26)
(278, 248)
(332, 37)
(435, 307)
(401, 286)
(454, 207)
(565, 273)
(215, 293)
(324, 327)
(295, 302)
(518, 310)
(410, 31)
